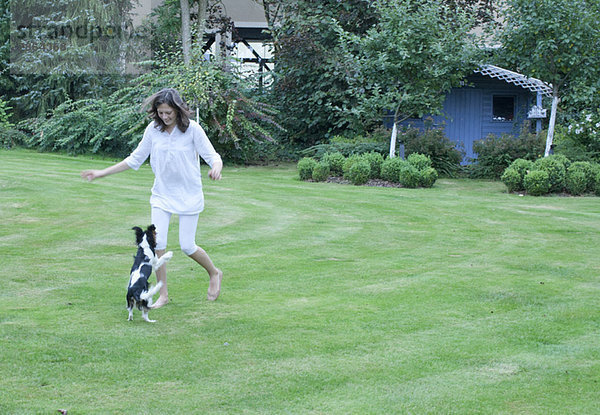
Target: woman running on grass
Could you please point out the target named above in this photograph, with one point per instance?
(173, 142)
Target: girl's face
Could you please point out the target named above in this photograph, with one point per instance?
(167, 114)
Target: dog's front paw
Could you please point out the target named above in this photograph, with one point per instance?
(168, 255)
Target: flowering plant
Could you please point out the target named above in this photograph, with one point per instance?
(588, 123)
(580, 139)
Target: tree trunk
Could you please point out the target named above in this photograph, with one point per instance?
(186, 35)
(201, 28)
(393, 140)
(550, 136)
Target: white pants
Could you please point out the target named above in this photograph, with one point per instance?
(187, 230)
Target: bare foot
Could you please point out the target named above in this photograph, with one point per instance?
(214, 286)
(162, 301)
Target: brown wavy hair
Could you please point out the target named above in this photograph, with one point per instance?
(172, 98)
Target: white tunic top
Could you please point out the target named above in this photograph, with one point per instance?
(174, 160)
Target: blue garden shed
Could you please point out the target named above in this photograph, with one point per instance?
(492, 100)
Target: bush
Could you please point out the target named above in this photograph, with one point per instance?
(555, 168)
(11, 137)
(514, 174)
(588, 170)
(420, 161)
(346, 148)
(495, 154)
(597, 183)
(375, 160)
(348, 163)
(321, 172)
(522, 166)
(306, 166)
(335, 161)
(444, 155)
(580, 140)
(390, 169)
(428, 177)
(359, 172)
(537, 182)
(576, 182)
(410, 176)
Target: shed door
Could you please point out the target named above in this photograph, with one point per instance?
(463, 108)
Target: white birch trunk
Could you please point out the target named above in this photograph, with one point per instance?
(393, 141)
(550, 136)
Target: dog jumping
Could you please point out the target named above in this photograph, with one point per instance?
(145, 261)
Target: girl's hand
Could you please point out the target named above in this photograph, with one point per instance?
(215, 172)
(90, 175)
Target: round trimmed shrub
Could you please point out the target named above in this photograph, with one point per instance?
(321, 172)
(348, 163)
(335, 161)
(521, 166)
(375, 160)
(589, 171)
(428, 177)
(537, 182)
(557, 173)
(597, 183)
(410, 176)
(305, 167)
(420, 161)
(390, 169)
(512, 179)
(359, 172)
(576, 182)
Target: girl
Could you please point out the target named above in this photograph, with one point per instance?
(173, 142)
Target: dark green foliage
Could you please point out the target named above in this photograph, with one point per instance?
(537, 182)
(359, 172)
(306, 166)
(321, 171)
(444, 155)
(512, 179)
(345, 148)
(495, 154)
(311, 89)
(96, 126)
(240, 127)
(556, 170)
(375, 160)
(410, 176)
(390, 169)
(335, 162)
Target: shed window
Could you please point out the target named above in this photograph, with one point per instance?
(503, 108)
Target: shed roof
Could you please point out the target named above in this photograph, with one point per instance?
(515, 78)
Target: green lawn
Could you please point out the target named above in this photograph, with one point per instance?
(336, 299)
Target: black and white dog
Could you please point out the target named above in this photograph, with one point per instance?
(145, 261)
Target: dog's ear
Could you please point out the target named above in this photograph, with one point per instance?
(151, 236)
(139, 234)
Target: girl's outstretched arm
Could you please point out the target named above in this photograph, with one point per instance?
(90, 175)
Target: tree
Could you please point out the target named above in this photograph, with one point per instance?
(409, 60)
(311, 87)
(556, 41)
(69, 49)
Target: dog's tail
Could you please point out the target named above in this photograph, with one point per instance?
(150, 293)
